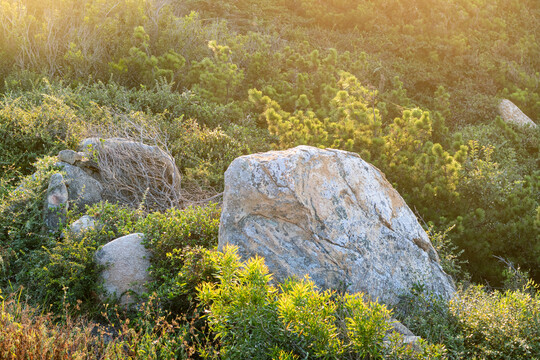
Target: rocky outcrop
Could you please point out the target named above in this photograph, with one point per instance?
(117, 170)
(127, 261)
(329, 214)
(56, 202)
(510, 113)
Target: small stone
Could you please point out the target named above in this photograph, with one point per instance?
(82, 225)
(82, 188)
(398, 327)
(127, 262)
(69, 156)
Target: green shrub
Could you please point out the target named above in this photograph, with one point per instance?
(218, 78)
(429, 316)
(176, 229)
(179, 241)
(22, 230)
(203, 154)
(30, 131)
(477, 323)
(253, 318)
(63, 270)
(498, 325)
(175, 284)
(449, 253)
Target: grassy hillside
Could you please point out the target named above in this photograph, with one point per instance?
(412, 86)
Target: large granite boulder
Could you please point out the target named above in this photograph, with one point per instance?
(510, 113)
(329, 214)
(127, 261)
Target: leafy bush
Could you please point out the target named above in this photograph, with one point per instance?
(478, 323)
(62, 268)
(179, 240)
(499, 325)
(253, 318)
(22, 231)
(204, 154)
(429, 316)
(30, 131)
(449, 254)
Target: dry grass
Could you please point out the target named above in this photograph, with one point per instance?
(27, 334)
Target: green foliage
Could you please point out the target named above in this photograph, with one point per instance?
(242, 308)
(175, 228)
(449, 253)
(179, 241)
(217, 78)
(30, 131)
(177, 277)
(478, 323)
(429, 316)
(388, 80)
(352, 124)
(498, 325)
(203, 154)
(141, 67)
(65, 274)
(310, 321)
(61, 270)
(251, 317)
(52, 117)
(22, 231)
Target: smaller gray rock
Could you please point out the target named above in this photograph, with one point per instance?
(84, 224)
(398, 327)
(56, 202)
(127, 262)
(406, 336)
(69, 156)
(510, 113)
(82, 188)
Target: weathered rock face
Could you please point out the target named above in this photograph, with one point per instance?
(510, 113)
(127, 262)
(329, 214)
(82, 188)
(70, 156)
(56, 202)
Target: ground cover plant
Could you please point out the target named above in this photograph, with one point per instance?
(412, 86)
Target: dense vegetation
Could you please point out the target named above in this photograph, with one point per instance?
(411, 86)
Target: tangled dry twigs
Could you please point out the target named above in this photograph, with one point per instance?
(135, 173)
